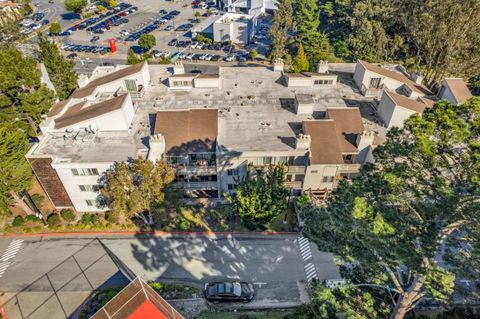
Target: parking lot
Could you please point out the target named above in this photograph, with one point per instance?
(170, 23)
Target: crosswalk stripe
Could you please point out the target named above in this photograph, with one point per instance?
(309, 266)
(4, 265)
(306, 252)
(307, 256)
(311, 275)
(304, 245)
(310, 272)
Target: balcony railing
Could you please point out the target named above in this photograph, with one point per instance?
(196, 170)
(349, 168)
(294, 185)
(296, 169)
(372, 92)
(196, 185)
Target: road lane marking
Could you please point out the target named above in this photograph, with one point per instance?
(306, 253)
(9, 254)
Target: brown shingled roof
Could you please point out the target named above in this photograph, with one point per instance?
(79, 112)
(406, 102)
(334, 136)
(57, 108)
(459, 89)
(396, 76)
(186, 131)
(348, 123)
(324, 148)
(90, 87)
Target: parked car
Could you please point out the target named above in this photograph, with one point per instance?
(72, 56)
(94, 39)
(229, 58)
(162, 12)
(229, 291)
(169, 28)
(173, 42)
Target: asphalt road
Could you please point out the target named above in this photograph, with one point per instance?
(278, 265)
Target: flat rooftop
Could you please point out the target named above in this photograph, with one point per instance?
(105, 147)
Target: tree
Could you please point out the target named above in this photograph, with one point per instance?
(60, 70)
(343, 302)
(132, 58)
(23, 99)
(76, 6)
(282, 23)
(112, 3)
(55, 28)
(147, 41)
(260, 198)
(253, 54)
(300, 62)
(132, 189)
(420, 198)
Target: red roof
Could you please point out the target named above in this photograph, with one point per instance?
(147, 310)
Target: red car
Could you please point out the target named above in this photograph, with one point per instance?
(122, 14)
(195, 2)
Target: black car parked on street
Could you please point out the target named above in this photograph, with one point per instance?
(229, 291)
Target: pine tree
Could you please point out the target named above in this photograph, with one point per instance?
(60, 70)
(300, 62)
(282, 22)
(419, 199)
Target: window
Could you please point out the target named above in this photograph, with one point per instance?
(328, 179)
(91, 202)
(89, 188)
(323, 82)
(232, 172)
(267, 160)
(281, 160)
(374, 83)
(131, 85)
(84, 171)
(182, 83)
(230, 187)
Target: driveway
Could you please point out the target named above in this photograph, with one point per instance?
(280, 266)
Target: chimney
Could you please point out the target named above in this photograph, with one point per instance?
(302, 141)
(157, 147)
(364, 146)
(322, 66)
(178, 67)
(278, 65)
(417, 77)
(82, 80)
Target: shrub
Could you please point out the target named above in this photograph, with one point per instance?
(183, 224)
(32, 218)
(18, 221)
(155, 285)
(202, 38)
(100, 8)
(37, 200)
(54, 220)
(68, 215)
(89, 219)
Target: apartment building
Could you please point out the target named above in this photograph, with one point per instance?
(401, 95)
(233, 120)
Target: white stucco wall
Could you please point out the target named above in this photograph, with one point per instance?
(314, 176)
(447, 95)
(386, 108)
(207, 83)
(72, 183)
(299, 81)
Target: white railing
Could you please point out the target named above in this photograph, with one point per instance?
(197, 185)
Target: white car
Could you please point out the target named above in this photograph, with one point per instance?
(182, 56)
(208, 57)
(166, 54)
(194, 45)
(199, 45)
(229, 58)
(213, 11)
(189, 56)
(204, 6)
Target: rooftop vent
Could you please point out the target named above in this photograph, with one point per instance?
(322, 67)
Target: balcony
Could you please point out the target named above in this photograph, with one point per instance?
(293, 184)
(296, 169)
(196, 170)
(196, 185)
(372, 92)
(349, 168)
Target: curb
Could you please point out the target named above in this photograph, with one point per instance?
(152, 233)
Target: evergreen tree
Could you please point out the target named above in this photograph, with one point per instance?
(300, 62)
(23, 99)
(282, 23)
(132, 58)
(258, 199)
(419, 199)
(60, 70)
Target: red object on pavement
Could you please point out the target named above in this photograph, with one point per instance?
(113, 47)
